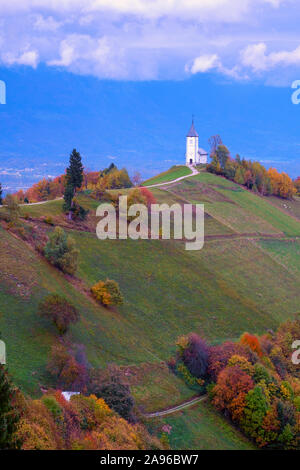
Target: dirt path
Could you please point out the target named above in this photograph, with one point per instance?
(37, 203)
(169, 411)
(192, 168)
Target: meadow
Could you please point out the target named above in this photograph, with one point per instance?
(169, 175)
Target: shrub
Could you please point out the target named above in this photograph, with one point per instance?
(252, 342)
(61, 251)
(107, 292)
(59, 311)
(13, 208)
(114, 391)
(195, 356)
(219, 356)
(48, 220)
(67, 371)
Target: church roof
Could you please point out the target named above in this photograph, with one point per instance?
(202, 152)
(192, 132)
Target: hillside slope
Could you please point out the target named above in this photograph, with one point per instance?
(246, 277)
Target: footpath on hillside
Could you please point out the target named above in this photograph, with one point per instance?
(168, 411)
(192, 168)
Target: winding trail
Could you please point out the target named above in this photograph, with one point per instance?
(36, 203)
(192, 168)
(169, 411)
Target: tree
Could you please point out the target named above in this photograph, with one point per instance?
(107, 292)
(75, 170)
(61, 251)
(61, 312)
(66, 369)
(253, 342)
(68, 197)
(195, 356)
(254, 413)
(230, 392)
(13, 208)
(74, 179)
(9, 416)
(1, 192)
(137, 178)
(222, 154)
(297, 185)
(114, 391)
(220, 355)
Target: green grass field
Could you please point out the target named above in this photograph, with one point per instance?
(201, 428)
(169, 175)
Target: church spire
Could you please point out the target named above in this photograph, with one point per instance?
(192, 132)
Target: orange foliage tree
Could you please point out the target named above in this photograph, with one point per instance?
(232, 386)
(253, 342)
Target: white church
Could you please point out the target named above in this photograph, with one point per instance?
(194, 154)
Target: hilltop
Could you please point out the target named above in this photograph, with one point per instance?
(246, 278)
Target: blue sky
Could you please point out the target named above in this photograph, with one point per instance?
(119, 80)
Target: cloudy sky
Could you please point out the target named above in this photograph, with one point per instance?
(153, 39)
(175, 56)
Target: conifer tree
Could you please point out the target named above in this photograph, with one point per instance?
(1, 201)
(73, 181)
(75, 171)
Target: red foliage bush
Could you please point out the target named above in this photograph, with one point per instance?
(253, 342)
(220, 355)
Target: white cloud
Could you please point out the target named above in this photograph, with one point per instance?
(42, 23)
(29, 58)
(209, 62)
(256, 57)
(203, 63)
(225, 10)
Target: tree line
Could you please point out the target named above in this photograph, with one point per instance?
(252, 174)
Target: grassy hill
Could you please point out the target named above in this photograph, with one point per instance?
(201, 428)
(245, 278)
(169, 175)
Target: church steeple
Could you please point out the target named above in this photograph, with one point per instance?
(192, 132)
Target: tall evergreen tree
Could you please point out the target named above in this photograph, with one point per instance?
(1, 201)
(74, 180)
(75, 170)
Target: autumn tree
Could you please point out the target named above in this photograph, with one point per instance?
(66, 369)
(107, 292)
(252, 342)
(110, 386)
(137, 178)
(195, 355)
(222, 155)
(230, 392)
(13, 208)
(61, 251)
(61, 312)
(297, 185)
(220, 355)
(255, 410)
